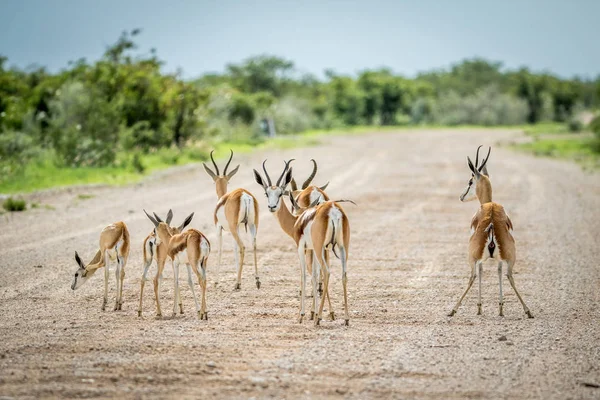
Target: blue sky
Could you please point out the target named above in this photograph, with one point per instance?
(347, 36)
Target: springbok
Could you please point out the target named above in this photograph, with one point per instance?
(159, 252)
(114, 237)
(321, 227)
(308, 193)
(190, 247)
(286, 219)
(236, 208)
(491, 236)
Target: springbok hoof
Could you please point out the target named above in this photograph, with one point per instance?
(451, 313)
(317, 321)
(158, 316)
(139, 313)
(332, 315)
(478, 309)
(529, 314)
(347, 322)
(238, 286)
(312, 315)
(257, 283)
(301, 318)
(206, 315)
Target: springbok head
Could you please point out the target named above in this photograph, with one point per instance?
(221, 181)
(274, 193)
(81, 275)
(162, 228)
(307, 182)
(479, 174)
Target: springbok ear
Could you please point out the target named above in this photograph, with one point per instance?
(295, 206)
(232, 173)
(151, 219)
(259, 179)
(78, 260)
(294, 184)
(324, 186)
(484, 171)
(471, 167)
(185, 223)
(209, 172)
(169, 217)
(287, 179)
(315, 203)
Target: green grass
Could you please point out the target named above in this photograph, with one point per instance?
(583, 149)
(44, 174)
(11, 204)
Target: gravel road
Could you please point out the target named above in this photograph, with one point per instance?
(407, 268)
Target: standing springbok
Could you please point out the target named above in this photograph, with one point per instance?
(286, 219)
(190, 247)
(159, 252)
(114, 237)
(236, 208)
(491, 234)
(322, 227)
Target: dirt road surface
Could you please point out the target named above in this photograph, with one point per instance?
(407, 268)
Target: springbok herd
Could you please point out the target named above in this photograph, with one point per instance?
(317, 225)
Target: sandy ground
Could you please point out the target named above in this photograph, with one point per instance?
(407, 268)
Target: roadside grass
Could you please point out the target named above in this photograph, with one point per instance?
(581, 148)
(45, 174)
(132, 167)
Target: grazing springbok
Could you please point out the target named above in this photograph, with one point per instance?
(308, 193)
(491, 236)
(286, 219)
(114, 237)
(190, 247)
(236, 208)
(153, 251)
(321, 227)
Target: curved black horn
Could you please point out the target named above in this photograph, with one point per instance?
(287, 164)
(311, 177)
(213, 161)
(228, 162)
(345, 201)
(485, 160)
(477, 156)
(267, 174)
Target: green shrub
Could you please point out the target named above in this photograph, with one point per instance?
(137, 164)
(575, 125)
(12, 204)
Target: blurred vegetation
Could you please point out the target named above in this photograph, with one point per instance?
(12, 204)
(120, 117)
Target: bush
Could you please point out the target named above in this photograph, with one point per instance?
(84, 126)
(16, 150)
(486, 107)
(292, 114)
(137, 164)
(575, 125)
(12, 204)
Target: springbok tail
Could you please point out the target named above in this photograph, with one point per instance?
(491, 237)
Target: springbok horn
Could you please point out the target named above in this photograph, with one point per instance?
(267, 174)
(311, 177)
(228, 162)
(345, 201)
(477, 156)
(294, 185)
(214, 163)
(485, 160)
(287, 164)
